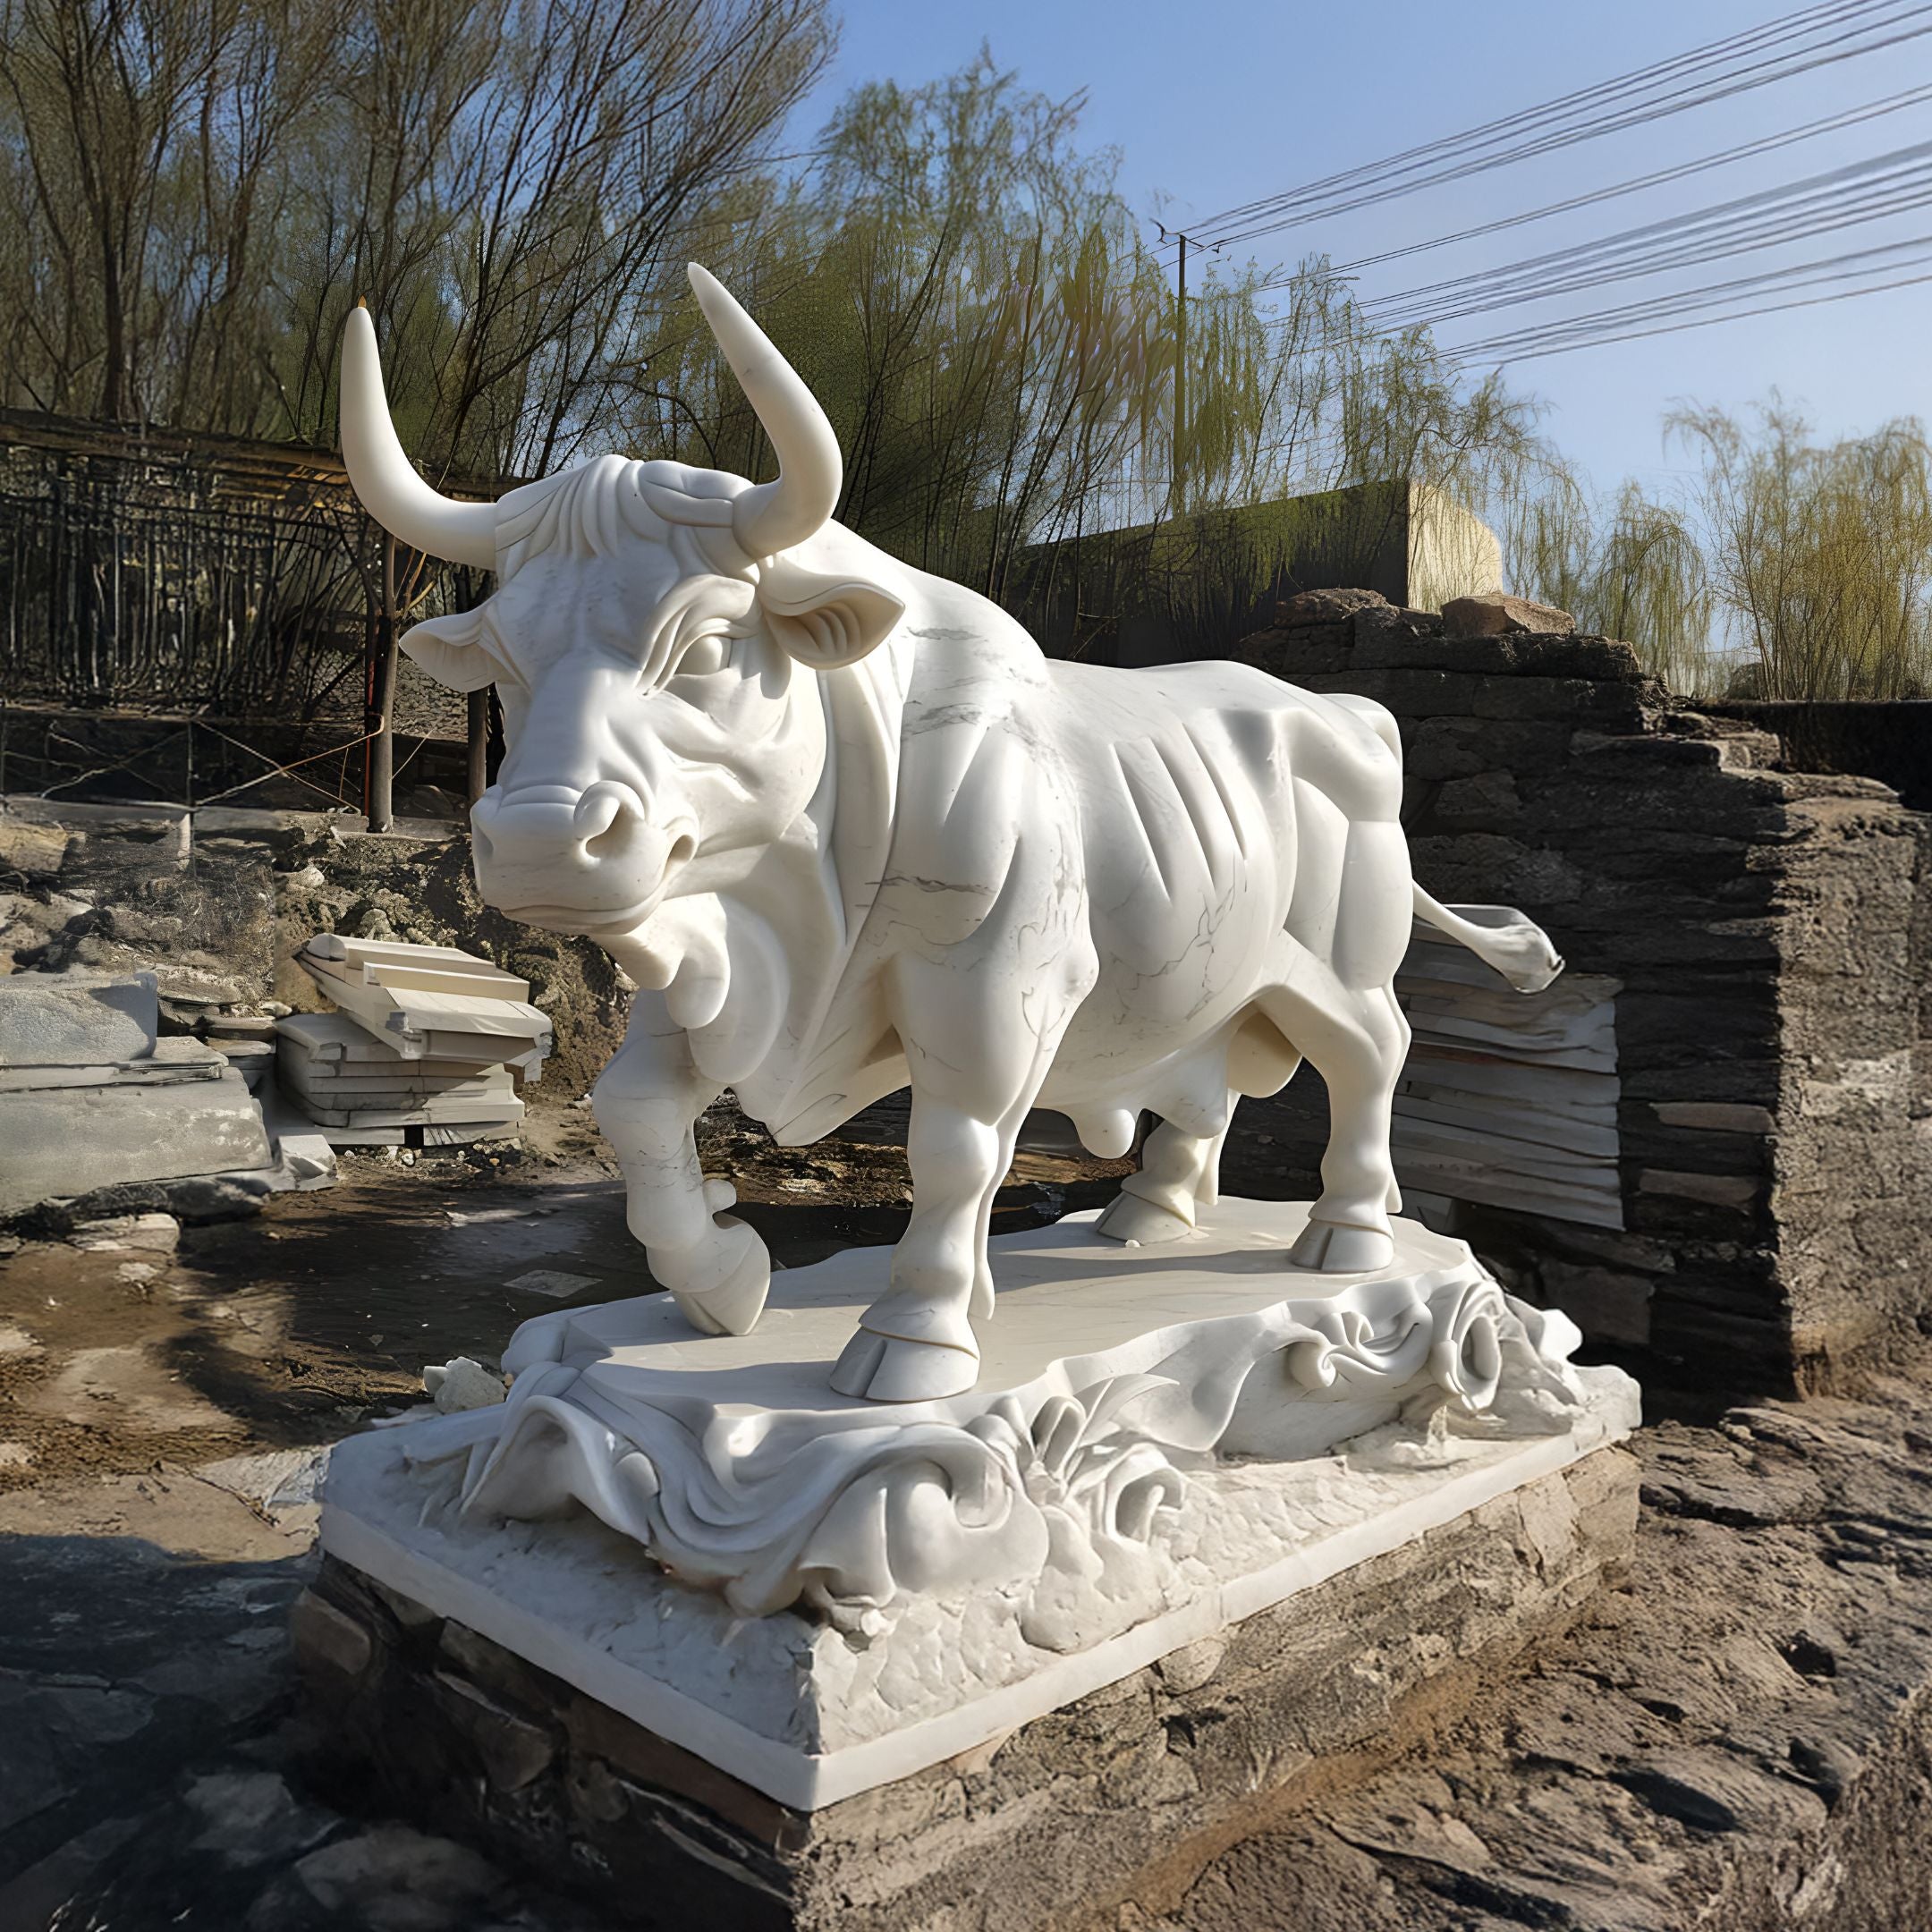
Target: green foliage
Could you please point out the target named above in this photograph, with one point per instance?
(1819, 553)
(1792, 568)
(1637, 573)
(192, 192)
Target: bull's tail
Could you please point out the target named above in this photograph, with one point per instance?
(1500, 936)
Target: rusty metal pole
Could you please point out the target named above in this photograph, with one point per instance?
(379, 804)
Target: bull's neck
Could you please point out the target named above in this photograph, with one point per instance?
(751, 969)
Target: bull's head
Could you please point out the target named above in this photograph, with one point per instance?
(654, 638)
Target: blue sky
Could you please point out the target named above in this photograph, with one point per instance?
(1216, 102)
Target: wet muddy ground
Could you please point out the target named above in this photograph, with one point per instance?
(160, 1409)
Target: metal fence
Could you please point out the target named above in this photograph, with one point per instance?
(229, 586)
(145, 571)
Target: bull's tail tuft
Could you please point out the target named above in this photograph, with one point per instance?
(1500, 936)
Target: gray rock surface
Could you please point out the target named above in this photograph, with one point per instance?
(73, 1019)
(69, 1140)
(1499, 615)
(1771, 933)
(1740, 1739)
(464, 1737)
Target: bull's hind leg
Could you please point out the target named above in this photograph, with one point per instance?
(1179, 1174)
(1356, 1041)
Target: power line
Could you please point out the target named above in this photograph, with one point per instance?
(1858, 192)
(1648, 94)
(1665, 315)
(1831, 123)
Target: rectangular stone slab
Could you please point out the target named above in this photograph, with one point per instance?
(474, 978)
(1312, 1469)
(77, 1019)
(69, 1140)
(409, 1700)
(335, 946)
(339, 1083)
(440, 1109)
(444, 1026)
(172, 1061)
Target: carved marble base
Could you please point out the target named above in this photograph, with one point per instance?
(1163, 1442)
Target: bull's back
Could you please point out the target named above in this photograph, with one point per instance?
(1199, 785)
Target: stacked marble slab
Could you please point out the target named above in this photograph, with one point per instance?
(428, 1047)
(90, 1096)
(1507, 1099)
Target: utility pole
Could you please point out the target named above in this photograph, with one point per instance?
(1179, 386)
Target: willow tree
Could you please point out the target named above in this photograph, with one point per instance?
(996, 344)
(1634, 569)
(1820, 554)
(969, 300)
(193, 193)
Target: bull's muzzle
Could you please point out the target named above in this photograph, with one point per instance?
(589, 861)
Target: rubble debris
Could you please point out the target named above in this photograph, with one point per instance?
(462, 1384)
(156, 1233)
(77, 1019)
(92, 1096)
(552, 1282)
(253, 1059)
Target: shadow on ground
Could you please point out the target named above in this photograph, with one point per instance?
(161, 1412)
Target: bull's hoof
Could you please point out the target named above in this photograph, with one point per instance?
(1133, 1217)
(880, 1368)
(734, 1306)
(1335, 1249)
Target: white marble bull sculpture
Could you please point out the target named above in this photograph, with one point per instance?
(850, 830)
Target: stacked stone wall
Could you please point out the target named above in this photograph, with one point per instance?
(1771, 931)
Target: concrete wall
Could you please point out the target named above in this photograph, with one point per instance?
(1158, 594)
(1770, 932)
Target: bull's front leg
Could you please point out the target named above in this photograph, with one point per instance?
(915, 1342)
(979, 1053)
(648, 1101)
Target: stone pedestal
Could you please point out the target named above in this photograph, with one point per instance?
(420, 1713)
(1206, 1517)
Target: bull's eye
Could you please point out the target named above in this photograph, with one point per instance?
(702, 655)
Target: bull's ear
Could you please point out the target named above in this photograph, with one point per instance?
(449, 648)
(827, 621)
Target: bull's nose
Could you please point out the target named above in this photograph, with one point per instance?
(544, 849)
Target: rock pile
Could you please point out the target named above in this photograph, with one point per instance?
(428, 1049)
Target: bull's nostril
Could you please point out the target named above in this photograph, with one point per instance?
(682, 852)
(608, 842)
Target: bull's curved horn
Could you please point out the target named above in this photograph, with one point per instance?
(382, 476)
(775, 516)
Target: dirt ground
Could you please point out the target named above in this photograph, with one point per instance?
(1743, 1718)
(160, 1415)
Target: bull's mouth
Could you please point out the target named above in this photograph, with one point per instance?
(586, 922)
(601, 923)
